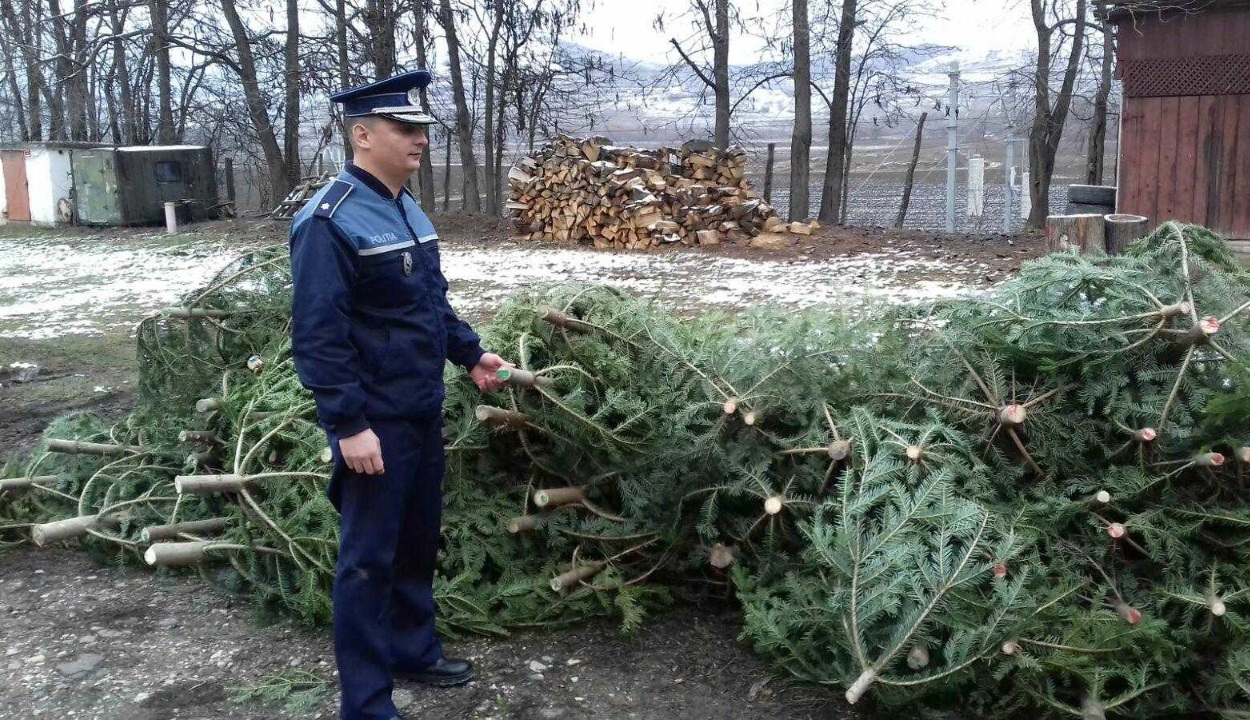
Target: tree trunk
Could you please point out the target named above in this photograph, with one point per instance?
(345, 77)
(425, 175)
(720, 70)
(1098, 134)
(1048, 122)
(290, 119)
(380, 24)
(488, 174)
(257, 111)
(464, 126)
(160, 47)
(835, 161)
(126, 101)
(801, 140)
(911, 172)
(15, 90)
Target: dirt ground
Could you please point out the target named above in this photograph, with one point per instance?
(87, 640)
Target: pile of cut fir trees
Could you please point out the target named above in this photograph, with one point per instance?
(1027, 504)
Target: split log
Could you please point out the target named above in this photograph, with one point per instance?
(153, 533)
(78, 447)
(1121, 229)
(1084, 232)
(207, 405)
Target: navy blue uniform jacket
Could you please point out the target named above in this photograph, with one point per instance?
(370, 324)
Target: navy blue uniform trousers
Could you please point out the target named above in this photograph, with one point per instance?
(388, 543)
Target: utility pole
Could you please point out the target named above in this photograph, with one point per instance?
(952, 144)
(1009, 171)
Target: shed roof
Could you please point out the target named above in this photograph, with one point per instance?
(1119, 10)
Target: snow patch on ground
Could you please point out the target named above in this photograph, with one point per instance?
(64, 286)
(51, 287)
(481, 279)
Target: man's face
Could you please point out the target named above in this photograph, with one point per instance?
(396, 144)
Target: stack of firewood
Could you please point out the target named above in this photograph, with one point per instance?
(588, 190)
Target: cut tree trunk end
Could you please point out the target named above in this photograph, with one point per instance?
(195, 312)
(207, 405)
(1013, 415)
(1174, 310)
(198, 436)
(721, 556)
(1201, 332)
(1145, 435)
(176, 554)
(501, 417)
(209, 484)
(1242, 454)
(1121, 230)
(190, 527)
(562, 320)
(521, 378)
(63, 529)
(566, 580)
(918, 657)
(1091, 709)
(1216, 604)
(1084, 232)
(774, 504)
(522, 523)
(750, 417)
(24, 482)
(1102, 497)
(915, 453)
(1211, 459)
(840, 450)
(731, 406)
(555, 497)
(1131, 615)
(857, 690)
(77, 447)
(1011, 647)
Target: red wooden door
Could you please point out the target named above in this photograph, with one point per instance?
(17, 197)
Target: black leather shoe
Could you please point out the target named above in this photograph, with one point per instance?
(444, 673)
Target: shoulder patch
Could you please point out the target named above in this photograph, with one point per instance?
(332, 198)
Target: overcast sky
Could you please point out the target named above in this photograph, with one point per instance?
(977, 27)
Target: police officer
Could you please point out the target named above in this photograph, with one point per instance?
(371, 329)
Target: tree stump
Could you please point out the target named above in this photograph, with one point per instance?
(1085, 232)
(1121, 230)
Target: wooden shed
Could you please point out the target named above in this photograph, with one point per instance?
(1184, 151)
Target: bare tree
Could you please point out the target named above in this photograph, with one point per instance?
(159, 10)
(425, 175)
(717, 32)
(1098, 131)
(1051, 18)
(801, 140)
(835, 168)
(464, 124)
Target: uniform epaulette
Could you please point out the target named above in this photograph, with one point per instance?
(332, 198)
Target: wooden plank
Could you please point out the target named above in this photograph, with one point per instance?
(1165, 177)
(1149, 164)
(1186, 159)
(1222, 222)
(1240, 226)
(1207, 141)
(1127, 174)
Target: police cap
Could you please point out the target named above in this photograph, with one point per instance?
(396, 98)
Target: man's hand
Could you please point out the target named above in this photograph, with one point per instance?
(483, 373)
(362, 452)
